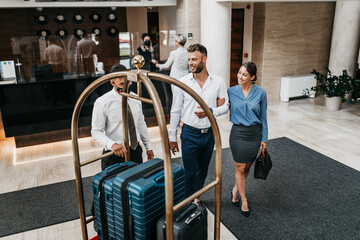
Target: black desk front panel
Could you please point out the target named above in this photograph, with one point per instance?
(45, 106)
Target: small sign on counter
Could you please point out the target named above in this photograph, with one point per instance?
(7, 70)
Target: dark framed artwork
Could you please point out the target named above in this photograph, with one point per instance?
(78, 18)
(60, 18)
(111, 17)
(97, 31)
(41, 19)
(112, 31)
(79, 33)
(43, 33)
(95, 17)
(61, 33)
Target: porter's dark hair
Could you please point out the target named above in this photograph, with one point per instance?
(117, 68)
(251, 69)
(197, 47)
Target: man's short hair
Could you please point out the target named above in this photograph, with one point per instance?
(117, 68)
(197, 47)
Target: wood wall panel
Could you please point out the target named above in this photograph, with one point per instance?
(237, 35)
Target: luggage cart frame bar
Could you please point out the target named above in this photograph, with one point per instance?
(143, 77)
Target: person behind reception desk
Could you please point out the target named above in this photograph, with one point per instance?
(147, 51)
(107, 124)
(178, 60)
(56, 57)
(86, 48)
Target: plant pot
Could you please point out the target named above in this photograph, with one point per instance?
(348, 97)
(333, 103)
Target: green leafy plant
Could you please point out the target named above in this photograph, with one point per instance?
(355, 88)
(332, 85)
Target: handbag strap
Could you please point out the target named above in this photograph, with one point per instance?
(262, 153)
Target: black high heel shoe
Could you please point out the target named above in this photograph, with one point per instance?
(236, 204)
(245, 213)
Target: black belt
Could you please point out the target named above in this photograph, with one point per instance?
(240, 125)
(197, 130)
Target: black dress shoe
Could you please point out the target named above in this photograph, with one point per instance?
(245, 213)
(236, 204)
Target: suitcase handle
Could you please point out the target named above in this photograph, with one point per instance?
(159, 181)
(192, 219)
(183, 214)
(115, 169)
(148, 174)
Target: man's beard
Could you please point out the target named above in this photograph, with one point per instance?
(199, 68)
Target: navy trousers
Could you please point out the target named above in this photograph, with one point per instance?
(197, 147)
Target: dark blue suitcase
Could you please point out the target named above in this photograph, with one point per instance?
(139, 199)
(103, 199)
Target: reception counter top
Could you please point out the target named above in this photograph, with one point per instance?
(40, 111)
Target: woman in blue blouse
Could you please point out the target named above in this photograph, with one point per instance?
(249, 132)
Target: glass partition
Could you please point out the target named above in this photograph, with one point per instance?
(70, 56)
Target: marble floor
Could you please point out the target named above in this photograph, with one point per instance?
(335, 134)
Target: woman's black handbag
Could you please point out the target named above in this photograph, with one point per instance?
(263, 165)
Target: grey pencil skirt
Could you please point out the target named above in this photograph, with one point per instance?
(245, 142)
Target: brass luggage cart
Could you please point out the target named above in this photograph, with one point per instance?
(143, 77)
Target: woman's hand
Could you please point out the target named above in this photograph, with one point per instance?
(154, 61)
(263, 146)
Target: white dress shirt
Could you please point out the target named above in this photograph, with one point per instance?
(178, 61)
(184, 106)
(107, 124)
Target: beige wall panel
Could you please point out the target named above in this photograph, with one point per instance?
(181, 16)
(194, 20)
(258, 38)
(167, 22)
(296, 39)
(282, 20)
(188, 19)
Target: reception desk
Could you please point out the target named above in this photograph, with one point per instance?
(36, 112)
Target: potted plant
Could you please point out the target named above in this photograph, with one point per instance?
(334, 87)
(355, 93)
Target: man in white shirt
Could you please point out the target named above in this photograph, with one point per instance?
(197, 139)
(107, 128)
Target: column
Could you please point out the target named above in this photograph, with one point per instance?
(188, 19)
(216, 36)
(345, 38)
